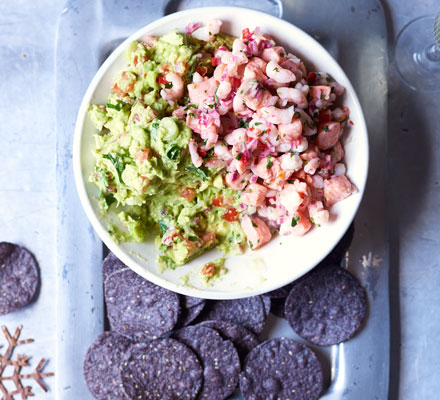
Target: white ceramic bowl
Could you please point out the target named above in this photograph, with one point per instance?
(285, 258)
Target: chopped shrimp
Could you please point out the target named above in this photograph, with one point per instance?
(267, 168)
(208, 31)
(294, 195)
(318, 214)
(238, 52)
(224, 89)
(254, 195)
(236, 181)
(276, 53)
(276, 115)
(222, 152)
(278, 73)
(337, 189)
(328, 135)
(291, 161)
(256, 231)
(236, 136)
(339, 169)
(255, 69)
(289, 132)
(200, 92)
(341, 115)
(320, 92)
(294, 95)
(337, 153)
(221, 73)
(311, 166)
(254, 94)
(297, 224)
(311, 153)
(309, 126)
(195, 158)
(301, 145)
(177, 89)
(238, 104)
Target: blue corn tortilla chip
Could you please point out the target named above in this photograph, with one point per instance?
(190, 308)
(281, 369)
(19, 277)
(243, 339)
(219, 358)
(327, 307)
(138, 308)
(101, 366)
(279, 293)
(161, 369)
(110, 265)
(277, 307)
(248, 312)
(266, 304)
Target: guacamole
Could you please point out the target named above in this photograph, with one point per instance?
(149, 187)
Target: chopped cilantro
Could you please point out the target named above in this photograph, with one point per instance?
(216, 97)
(322, 96)
(118, 106)
(193, 238)
(254, 224)
(269, 162)
(190, 106)
(118, 164)
(174, 152)
(325, 128)
(197, 171)
(163, 227)
(295, 220)
(238, 156)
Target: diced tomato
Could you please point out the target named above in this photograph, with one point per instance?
(202, 70)
(214, 61)
(208, 270)
(325, 115)
(351, 122)
(165, 68)
(202, 152)
(311, 77)
(118, 90)
(217, 201)
(135, 60)
(130, 87)
(245, 34)
(188, 194)
(161, 79)
(231, 214)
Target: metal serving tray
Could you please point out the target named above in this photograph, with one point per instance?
(355, 33)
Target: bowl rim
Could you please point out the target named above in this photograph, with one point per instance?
(79, 178)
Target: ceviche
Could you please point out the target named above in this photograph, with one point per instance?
(207, 140)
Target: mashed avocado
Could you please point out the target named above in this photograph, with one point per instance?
(148, 184)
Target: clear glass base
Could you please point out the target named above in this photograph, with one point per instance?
(417, 56)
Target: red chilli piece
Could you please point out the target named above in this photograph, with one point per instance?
(325, 115)
(311, 77)
(161, 79)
